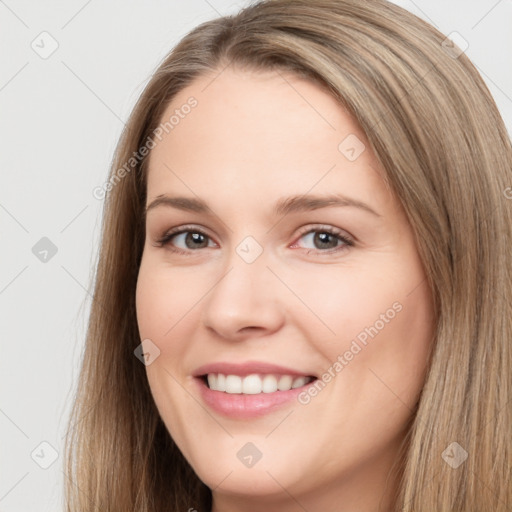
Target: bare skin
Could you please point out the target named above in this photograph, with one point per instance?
(251, 140)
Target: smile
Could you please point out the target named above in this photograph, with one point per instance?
(251, 389)
(255, 383)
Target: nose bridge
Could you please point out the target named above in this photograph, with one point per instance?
(245, 295)
(246, 266)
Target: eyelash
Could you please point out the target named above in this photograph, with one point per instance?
(165, 240)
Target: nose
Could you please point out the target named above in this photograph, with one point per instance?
(245, 301)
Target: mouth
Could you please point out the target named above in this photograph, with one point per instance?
(249, 390)
(255, 383)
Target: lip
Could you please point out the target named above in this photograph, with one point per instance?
(247, 368)
(242, 406)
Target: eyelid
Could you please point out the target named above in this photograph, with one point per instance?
(194, 228)
(345, 237)
(328, 228)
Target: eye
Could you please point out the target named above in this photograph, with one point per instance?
(326, 239)
(192, 238)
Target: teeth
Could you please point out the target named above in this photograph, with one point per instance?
(251, 385)
(254, 384)
(221, 382)
(269, 384)
(285, 383)
(300, 381)
(212, 381)
(233, 384)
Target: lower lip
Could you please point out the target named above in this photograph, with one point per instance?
(237, 405)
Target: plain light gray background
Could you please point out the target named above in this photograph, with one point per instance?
(60, 119)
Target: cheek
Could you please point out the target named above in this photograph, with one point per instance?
(404, 345)
(364, 301)
(163, 299)
(163, 307)
(376, 363)
(381, 327)
(168, 306)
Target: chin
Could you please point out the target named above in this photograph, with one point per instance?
(230, 471)
(246, 482)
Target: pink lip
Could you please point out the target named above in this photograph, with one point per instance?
(246, 406)
(247, 368)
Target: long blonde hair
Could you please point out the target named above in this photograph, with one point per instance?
(432, 123)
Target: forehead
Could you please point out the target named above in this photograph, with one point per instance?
(260, 132)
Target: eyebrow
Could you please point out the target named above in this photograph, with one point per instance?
(283, 206)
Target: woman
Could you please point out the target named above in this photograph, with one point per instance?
(303, 294)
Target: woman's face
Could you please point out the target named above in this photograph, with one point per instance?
(294, 262)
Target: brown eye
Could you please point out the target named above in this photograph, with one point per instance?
(193, 240)
(185, 240)
(325, 240)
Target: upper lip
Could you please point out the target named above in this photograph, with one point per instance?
(248, 368)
